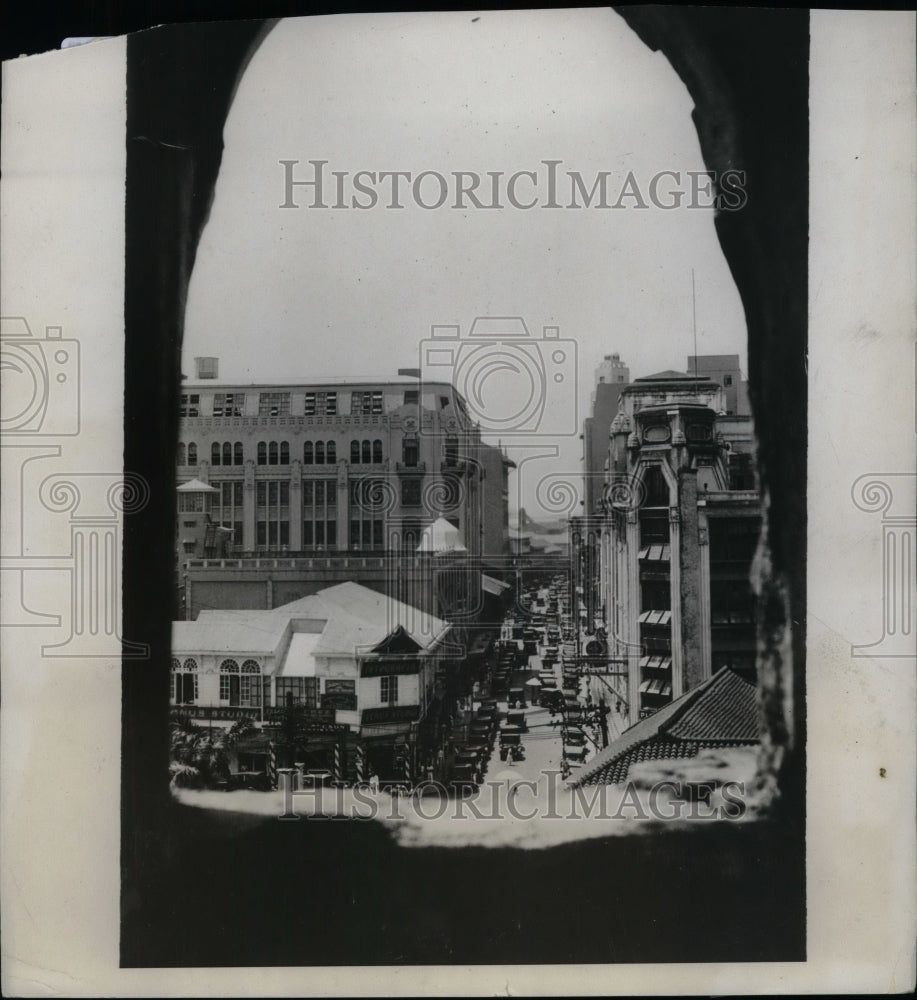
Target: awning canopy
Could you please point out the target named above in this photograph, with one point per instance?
(659, 687)
(493, 586)
(655, 617)
(655, 662)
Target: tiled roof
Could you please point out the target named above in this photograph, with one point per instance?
(727, 711)
(658, 748)
(720, 712)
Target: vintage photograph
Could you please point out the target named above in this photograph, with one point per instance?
(449, 540)
(487, 533)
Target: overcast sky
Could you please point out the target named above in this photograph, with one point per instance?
(304, 293)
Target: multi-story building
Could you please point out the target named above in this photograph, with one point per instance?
(321, 483)
(611, 377)
(678, 529)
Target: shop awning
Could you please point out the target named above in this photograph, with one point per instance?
(300, 661)
(655, 662)
(659, 687)
(493, 586)
(655, 617)
(655, 553)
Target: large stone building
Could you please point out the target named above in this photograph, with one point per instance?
(322, 483)
(664, 566)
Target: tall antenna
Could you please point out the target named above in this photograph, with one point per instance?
(694, 319)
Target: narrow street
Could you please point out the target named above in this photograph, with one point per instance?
(552, 740)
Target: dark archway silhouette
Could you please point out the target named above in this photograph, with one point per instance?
(747, 71)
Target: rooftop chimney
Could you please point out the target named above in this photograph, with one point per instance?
(207, 367)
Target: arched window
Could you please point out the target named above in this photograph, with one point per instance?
(366, 453)
(377, 452)
(227, 453)
(319, 452)
(262, 453)
(272, 452)
(284, 453)
(251, 683)
(192, 454)
(237, 453)
(182, 454)
(331, 455)
(307, 453)
(184, 682)
(230, 688)
(355, 452)
(214, 454)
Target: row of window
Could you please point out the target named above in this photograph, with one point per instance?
(363, 452)
(278, 453)
(245, 686)
(277, 404)
(321, 533)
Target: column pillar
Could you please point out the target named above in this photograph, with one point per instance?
(343, 506)
(95, 502)
(248, 507)
(296, 513)
(631, 614)
(691, 586)
(876, 493)
(675, 574)
(706, 635)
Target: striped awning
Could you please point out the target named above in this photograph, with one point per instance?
(653, 686)
(656, 618)
(655, 662)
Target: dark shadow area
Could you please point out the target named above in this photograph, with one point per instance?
(202, 888)
(320, 892)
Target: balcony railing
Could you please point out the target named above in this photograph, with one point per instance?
(342, 561)
(288, 420)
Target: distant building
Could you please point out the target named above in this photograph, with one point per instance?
(724, 369)
(611, 376)
(662, 569)
(322, 483)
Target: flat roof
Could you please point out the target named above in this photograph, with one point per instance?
(318, 385)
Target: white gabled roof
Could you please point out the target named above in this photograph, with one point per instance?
(441, 536)
(341, 620)
(196, 486)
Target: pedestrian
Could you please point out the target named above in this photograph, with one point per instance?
(374, 783)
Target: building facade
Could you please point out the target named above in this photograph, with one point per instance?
(672, 546)
(323, 483)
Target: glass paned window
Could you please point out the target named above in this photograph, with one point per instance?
(273, 404)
